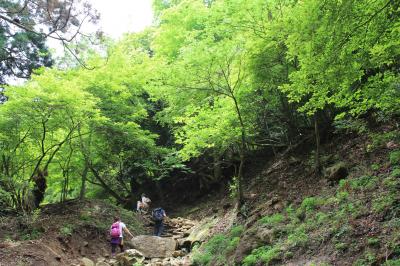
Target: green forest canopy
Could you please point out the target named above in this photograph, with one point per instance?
(211, 79)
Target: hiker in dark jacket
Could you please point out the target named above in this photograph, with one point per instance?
(158, 215)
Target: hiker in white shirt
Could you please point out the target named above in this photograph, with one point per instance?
(143, 205)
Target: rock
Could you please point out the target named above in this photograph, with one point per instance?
(294, 161)
(274, 200)
(227, 206)
(201, 231)
(246, 244)
(101, 259)
(154, 246)
(336, 172)
(85, 243)
(129, 257)
(102, 263)
(392, 145)
(278, 206)
(86, 262)
(265, 235)
(112, 262)
(252, 239)
(177, 253)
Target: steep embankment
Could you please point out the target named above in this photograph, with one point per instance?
(61, 234)
(349, 215)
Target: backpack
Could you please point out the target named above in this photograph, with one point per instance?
(115, 231)
(158, 214)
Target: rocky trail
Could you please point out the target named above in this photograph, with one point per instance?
(172, 248)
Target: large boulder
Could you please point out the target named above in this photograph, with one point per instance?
(130, 257)
(200, 232)
(253, 238)
(154, 246)
(336, 172)
(86, 262)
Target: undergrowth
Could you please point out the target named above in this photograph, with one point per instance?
(336, 219)
(218, 247)
(332, 219)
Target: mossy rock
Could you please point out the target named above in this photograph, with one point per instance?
(336, 172)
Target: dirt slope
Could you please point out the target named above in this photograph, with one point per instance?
(347, 215)
(60, 234)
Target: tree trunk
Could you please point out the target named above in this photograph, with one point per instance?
(242, 148)
(83, 183)
(159, 191)
(217, 169)
(317, 166)
(240, 198)
(104, 185)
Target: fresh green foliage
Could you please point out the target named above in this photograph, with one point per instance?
(380, 139)
(364, 182)
(236, 231)
(396, 172)
(212, 82)
(31, 234)
(375, 167)
(311, 203)
(217, 247)
(66, 230)
(394, 157)
(373, 241)
(395, 262)
(341, 246)
(272, 220)
(383, 202)
(368, 259)
(265, 254)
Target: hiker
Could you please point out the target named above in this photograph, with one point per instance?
(158, 215)
(143, 205)
(116, 233)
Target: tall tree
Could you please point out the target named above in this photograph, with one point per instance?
(26, 24)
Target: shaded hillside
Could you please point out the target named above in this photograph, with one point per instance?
(293, 217)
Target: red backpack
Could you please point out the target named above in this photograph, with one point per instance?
(115, 230)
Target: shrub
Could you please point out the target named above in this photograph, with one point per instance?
(391, 182)
(31, 234)
(298, 238)
(233, 243)
(216, 244)
(364, 182)
(342, 231)
(203, 258)
(368, 259)
(394, 157)
(395, 173)
(311, 203)
(342, 196)
(265, 254)
(375, 166)
(217, 247)
(383, 202)
(321, 217)
(236, 231)
(341, 246)
(273, 219)
(66, 230)
(392, 263)
(379, 139)
(373, 241)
